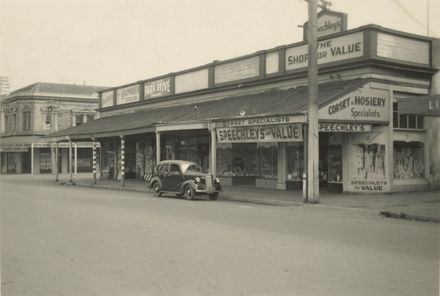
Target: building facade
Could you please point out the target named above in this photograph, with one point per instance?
(30, 113)
(245, 119)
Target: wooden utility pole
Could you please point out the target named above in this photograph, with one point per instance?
(313, 137)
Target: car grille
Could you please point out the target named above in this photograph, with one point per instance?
(208, 182)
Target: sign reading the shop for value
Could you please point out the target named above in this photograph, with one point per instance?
(157, 88)
(329, 22)
(253, 134)
(364, 104)
(262, 121)
(330, 50)
(344, 127)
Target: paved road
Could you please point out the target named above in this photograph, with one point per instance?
(64, 240)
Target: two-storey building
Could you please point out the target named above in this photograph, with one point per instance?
(32, 112)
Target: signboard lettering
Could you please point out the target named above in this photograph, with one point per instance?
(329, 22)
(369, 186)
(261, 121)
(344, 127)
(252, 134)
(238, 70)
(331, 50)
(157, 88)
(127, 94)
(402, 48)
(107, 99)
(364, 104)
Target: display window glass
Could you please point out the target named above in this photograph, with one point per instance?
(145, 158)
(268, 160)
(368, 162)
(408, 160)
(335, 164)
(295, 161)
(84, 160)
(45, 161)
(237, 160)
(187, 147)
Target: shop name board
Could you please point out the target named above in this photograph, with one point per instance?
(330, 50)
(157, 88)
(403, 49)
(329, 22)
(365, 104)
(344, 127)
(238, 70)
(127, 94)
(369, 186)
(253, 134)
(14, 149)
(107, 99)
(261, 121)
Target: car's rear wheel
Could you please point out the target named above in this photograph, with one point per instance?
(189, 192)
(213, 196)
(157, 189)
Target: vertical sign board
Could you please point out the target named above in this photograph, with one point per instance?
(192, 81)
(330, 50)
(362, 105)
(107, 99)
(157, 88)
(127, 94)
(403, 49)
(238, 70)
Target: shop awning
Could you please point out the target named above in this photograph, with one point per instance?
(424, 105)
(271, 102)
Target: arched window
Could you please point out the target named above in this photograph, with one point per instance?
(26, 118)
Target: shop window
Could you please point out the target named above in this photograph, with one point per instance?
(45, 161)
(26, 119)
(268, 160)
(237, 159)
(408, 160)
(335, 164)
(368, 162)
(79, 119)
(406, 121)
(295, 161)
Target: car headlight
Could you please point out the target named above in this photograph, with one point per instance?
(197, 180)
(217, 180)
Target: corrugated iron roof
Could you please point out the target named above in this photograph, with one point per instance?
(275, 101)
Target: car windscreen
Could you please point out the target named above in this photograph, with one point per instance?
(191, 167)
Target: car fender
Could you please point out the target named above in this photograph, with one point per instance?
(155, 179)
(191, 182)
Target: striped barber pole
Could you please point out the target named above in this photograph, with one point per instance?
(122, 156)
(94, 158)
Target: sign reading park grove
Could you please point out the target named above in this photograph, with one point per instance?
(268, 133)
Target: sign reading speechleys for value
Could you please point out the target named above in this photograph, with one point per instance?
(254, 134)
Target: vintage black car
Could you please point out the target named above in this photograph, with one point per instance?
(183, 178)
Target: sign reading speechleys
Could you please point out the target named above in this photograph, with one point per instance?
(329, 22)
(331, 50)
(364, 104)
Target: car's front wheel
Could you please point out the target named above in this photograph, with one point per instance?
(157, 189)
(189, 192)
(213, 196)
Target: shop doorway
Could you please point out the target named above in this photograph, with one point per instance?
(330, 162)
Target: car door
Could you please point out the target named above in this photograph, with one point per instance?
(164, 175)
(175, 177)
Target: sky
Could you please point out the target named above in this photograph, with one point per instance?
(115, 42)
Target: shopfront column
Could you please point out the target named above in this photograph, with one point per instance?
(94, 161)
(157, 147)
(32, 158)
(213, 154)
(122, 161)
(282, 166)
(70, 161)
(75, 158)
(56, 161)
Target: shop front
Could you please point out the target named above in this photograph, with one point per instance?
(254, 151)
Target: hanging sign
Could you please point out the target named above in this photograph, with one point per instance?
(253, 134)
(329, 22)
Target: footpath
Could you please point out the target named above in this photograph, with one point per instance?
(419, 206)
